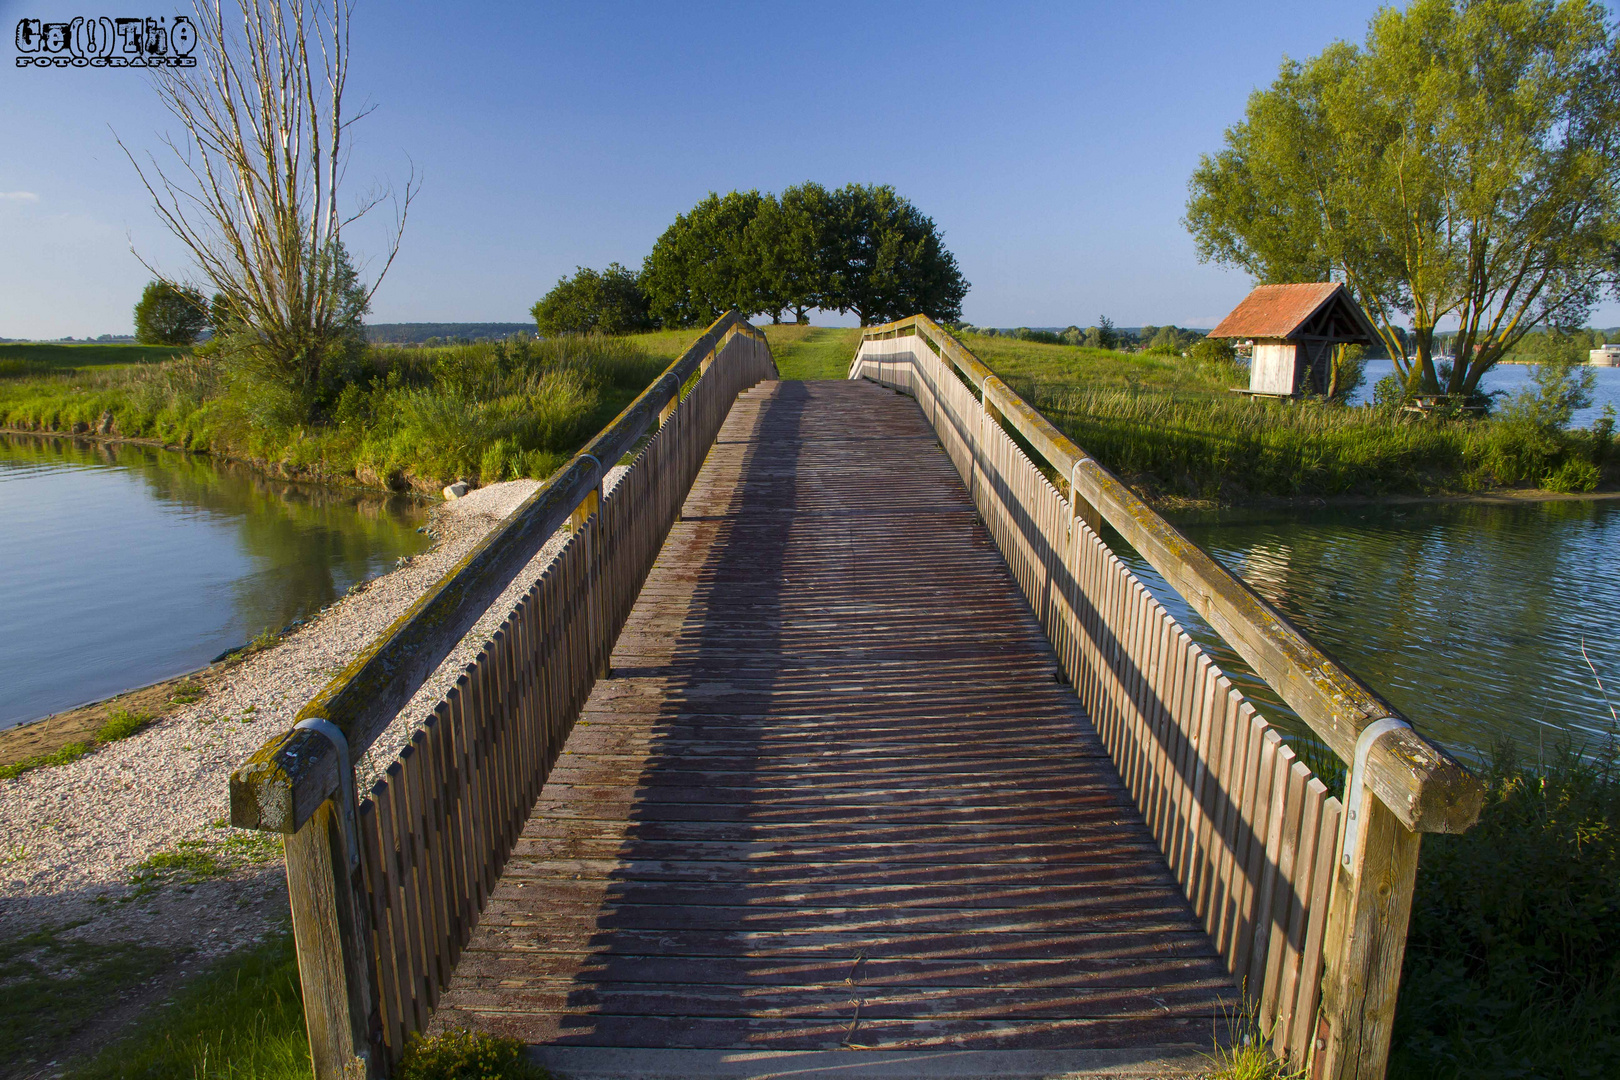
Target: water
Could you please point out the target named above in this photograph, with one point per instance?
(123, 565)
(1511, 378)
(1468, 618)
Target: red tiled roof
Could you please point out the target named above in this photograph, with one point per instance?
(1276, 311)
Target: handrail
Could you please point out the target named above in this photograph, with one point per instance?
(1425, 788)
(280, 786)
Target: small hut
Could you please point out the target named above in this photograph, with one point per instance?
(1294, 329)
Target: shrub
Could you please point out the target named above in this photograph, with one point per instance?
(1389, 392)
(591, 303)
(1573, 475)
(460, 1054)
(1562, 385)
(121, 724)
(1214, 351)
(1603, 435)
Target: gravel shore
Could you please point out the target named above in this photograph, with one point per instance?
(71, 837)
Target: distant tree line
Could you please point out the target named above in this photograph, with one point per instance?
(863, 249)
(1159, 340)
(444, 333)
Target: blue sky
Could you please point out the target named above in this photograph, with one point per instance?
(1051, 143)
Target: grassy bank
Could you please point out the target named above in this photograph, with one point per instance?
(1232, 449)
(418, 418)
(1172, 428)
(44, 358)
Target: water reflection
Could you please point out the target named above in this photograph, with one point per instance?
(1468, 618)
(121, 565)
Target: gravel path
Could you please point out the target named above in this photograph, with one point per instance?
(71, 836)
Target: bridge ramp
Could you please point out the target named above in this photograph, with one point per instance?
(834, 813)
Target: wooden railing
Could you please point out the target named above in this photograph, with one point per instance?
(386, 889)
(1307, 905)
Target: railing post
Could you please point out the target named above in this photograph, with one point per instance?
(1365, 944)
(332, 932)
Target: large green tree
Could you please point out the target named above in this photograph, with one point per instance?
(1458, 168)
(702, 264)
(170, 314)
(793, 241)
(888, 260)
(610, 302)
(862, 249)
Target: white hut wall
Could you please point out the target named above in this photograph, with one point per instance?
(1274, 368)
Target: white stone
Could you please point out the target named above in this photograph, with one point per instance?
(455, 491)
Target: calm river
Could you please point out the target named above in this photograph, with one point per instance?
(1468, 618)
(123, 565)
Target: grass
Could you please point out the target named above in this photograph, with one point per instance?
(801, 352)
(1038, 371)
(30, 358)
(1170, 426)
(198, 860)
(812, 352)
(244, 1020)
(54, 984)
(120, 724)
(419, 417)
(1250, 1058)
(1232, 450)
(186, 693)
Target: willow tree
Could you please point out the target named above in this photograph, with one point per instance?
(1458, 169)
(252, 190)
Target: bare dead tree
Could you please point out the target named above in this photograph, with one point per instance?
(253, 190)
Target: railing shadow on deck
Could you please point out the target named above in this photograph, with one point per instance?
(385, 890)
(1295, 894)
(728, 544)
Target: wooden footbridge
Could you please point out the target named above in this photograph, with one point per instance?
(835, 741)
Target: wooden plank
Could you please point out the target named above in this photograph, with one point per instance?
(1365, 943)
(749, 801)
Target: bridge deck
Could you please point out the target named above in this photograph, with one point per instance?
(833, 798)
